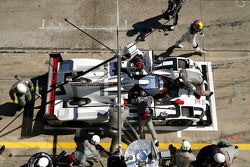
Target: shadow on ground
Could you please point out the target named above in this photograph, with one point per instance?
(170, 50)
(8, 109)
(28, 129)
(143, 28)
(187, 55)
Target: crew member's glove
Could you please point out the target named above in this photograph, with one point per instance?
(193, 88)
(139, 53)
(144, 115)
(15, 101)
(172, 149)
(32, 88)
(71, 158)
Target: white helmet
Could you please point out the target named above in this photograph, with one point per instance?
(95, 140)
(219, 158)
(130, 49)
(185, 145)
(43, 162)
(21, 88)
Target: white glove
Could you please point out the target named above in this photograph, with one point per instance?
(200, 50)
(139, 52)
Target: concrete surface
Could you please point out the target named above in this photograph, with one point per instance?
(31, 29)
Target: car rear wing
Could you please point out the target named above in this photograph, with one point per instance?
(54, 60)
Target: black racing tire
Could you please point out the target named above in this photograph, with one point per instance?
(35, 158)
(179, 122)
(74, 124)
(82, 102)
(82, 80)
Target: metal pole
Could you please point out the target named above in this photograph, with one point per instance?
(119, 104)
(118, 81)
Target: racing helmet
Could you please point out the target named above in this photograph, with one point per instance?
(219, 158)
(21, 88)
(138, 62)
(130, 50)
(95, 140)
(43, 162)
(198, 24)
(185, 145)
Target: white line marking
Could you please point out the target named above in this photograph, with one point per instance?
(183, 128)
(1, 92)
(121, 29)
(60, 26)
(43, 24)
(179, 134)
(212, 98)
(126, 24)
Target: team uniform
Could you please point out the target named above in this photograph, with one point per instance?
(221, 155)
(87, 151)
(193, 79)
(145, 117)
(183, 157)
(190, 36)
(20, 92)
(113, 125)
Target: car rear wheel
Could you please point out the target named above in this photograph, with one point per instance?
(179, 122)
(79, 101)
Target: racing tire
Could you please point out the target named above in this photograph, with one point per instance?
(179, 122)
(33, 161)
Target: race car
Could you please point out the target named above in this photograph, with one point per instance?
(89, 97)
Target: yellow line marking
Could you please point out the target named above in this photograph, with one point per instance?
(106, 145)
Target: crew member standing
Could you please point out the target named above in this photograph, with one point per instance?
(219, 155)
(113, 122)
(174, 7)
(227, 154)
(20, 92)
(183, 157)
(195, 27)
(145, 118)
(205, 157)
(134, 58)
(193, 79)
(87, 151)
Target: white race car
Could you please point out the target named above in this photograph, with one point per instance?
(88, 98)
